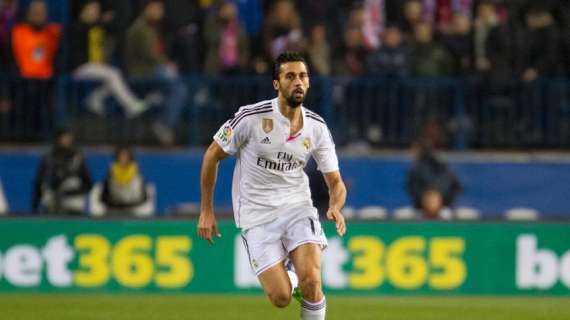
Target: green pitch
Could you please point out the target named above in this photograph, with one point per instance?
(227, 307)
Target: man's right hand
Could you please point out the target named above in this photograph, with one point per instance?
(207, 226)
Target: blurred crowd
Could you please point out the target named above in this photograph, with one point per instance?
(487, 43)
(421, 38)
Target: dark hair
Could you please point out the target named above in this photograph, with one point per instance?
(393, 25)
(121, 149)
(286, 57)
(146, 3)
(486, 3)
(62, 131)
(537, 9)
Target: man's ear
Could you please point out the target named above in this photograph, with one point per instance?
(276, 85)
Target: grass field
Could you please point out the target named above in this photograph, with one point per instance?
(226, 307)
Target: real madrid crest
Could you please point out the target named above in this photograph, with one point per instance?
(307, 143)
(267, 125)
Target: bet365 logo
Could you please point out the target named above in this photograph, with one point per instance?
(93, 261)
(368, 262)
(540, 268)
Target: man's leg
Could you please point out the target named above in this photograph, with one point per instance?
(266, 254)
(276, 284)
(307, 261)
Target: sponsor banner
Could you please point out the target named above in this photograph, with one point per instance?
(377, 258)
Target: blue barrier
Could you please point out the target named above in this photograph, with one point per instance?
(490, 187)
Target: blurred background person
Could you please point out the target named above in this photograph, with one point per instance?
(227, 44)
(281, 32)
(432, 186)
(35, 45)
(495, 45)
(350, 58)
(88, 61)
(318, 50)
(392, 59)
(62, 179)
(459, 43)
(430, 59)
(147, 60)
(124, 189)
(7, 16)
(412, 15)
(184, 23)
(541, 51)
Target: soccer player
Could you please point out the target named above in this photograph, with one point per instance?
(272, 205)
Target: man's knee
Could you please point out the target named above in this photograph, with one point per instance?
(311, 285)
(280, 299)
(310, 282)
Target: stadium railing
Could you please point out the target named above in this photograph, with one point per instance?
(379, 111)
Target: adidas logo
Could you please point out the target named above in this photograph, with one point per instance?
(266, 141)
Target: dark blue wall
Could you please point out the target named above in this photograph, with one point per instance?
(490, 187)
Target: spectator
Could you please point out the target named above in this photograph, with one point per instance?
(563, 10)
(392, 59)
(541, 53)
(439, 13)
(493, 45)
(62, 180)
(35, 43)
(227, 45)
(183, 26)
(432, 186)
(349, 59)
(374, 21)
(281, 32)
(88, 61)
(356, 17)
(413, 14)
(124, 189)
(146, 59)
(7, 15)
(430, 59)
(318, 50)
(116, 17)
(459, 43)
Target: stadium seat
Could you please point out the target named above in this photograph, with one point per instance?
(522, 214)
(3, 201)
(466, 213)
(405, 213)
(348, 213)
(372, 213)
(98, 209)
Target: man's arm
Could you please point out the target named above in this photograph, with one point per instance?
(337, 198)
(207, 226)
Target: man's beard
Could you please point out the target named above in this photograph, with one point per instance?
(294, 102)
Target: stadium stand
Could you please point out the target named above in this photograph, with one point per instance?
(372, 79)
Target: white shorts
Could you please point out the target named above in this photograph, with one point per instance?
(270, 243)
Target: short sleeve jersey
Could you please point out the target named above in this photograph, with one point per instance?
(269, 175)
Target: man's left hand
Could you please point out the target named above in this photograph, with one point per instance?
(336, 215)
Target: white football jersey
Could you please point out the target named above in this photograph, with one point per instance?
(268, 176)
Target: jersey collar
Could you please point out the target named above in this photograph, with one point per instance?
(275, 106)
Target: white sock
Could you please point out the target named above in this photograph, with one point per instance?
(313, 310)
(293, 279)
